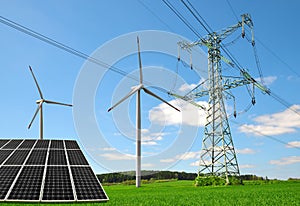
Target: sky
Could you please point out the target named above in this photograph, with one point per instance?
(266, 137)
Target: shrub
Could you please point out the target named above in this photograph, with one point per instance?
(216, 181)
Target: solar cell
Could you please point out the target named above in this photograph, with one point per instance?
(17, 158)
(71, 144)
(37, 157)
(46, 171)
(57, 157)
(76, 157)
(28, 185)
(58, 184)
(12, 144)
(27, 144)
(4, 154)
(42, 144)
(7, 176)
(57, 144)
(3, 142)
(86, 184)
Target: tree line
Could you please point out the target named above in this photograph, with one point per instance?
(118, 177)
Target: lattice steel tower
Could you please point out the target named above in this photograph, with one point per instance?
(218, 157)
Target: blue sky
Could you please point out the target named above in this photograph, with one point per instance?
(88, 26)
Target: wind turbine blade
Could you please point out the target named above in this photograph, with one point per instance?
(36, 111)
(37, 85)
(140, 61)
(157, 97)
(133, 90)
(59, 103)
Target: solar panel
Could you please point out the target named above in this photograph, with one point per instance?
(37, 157)
(86, 184)
(76, 157)
(46, 171)
(27, 144)
(3, 142)
(17, 158)
(56, 144)
(4, 154)
(28, 185)
(7, 176)
(71, 144)
(42, 144)
(58, 184)
(12, 144)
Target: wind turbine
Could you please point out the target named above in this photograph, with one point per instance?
(40, 105)
(137, 89)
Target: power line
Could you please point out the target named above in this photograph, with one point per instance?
(64, 47)
(193, 11)
(177, 13)
(232, 10)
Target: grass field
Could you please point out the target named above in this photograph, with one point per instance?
(184, 193)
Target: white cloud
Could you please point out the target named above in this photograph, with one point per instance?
(267, 80)
(184, 156)
(150, 138)
(293, 144)
(190, 115)
(286, 160)
(195, 164)
(187, 87)
(279, 123)
(148, 165)
(149, 143)
(117, 156)
(246, 166)
(245, 151)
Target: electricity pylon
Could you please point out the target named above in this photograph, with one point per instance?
(218, 156)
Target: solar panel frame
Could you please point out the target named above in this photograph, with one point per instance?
(42, 157)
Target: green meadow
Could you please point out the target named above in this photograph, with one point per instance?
(185, 193)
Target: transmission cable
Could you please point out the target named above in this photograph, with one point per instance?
(64, 47)
(177, 13)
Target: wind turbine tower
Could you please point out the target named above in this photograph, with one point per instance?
(137, 89)
(40, 105)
